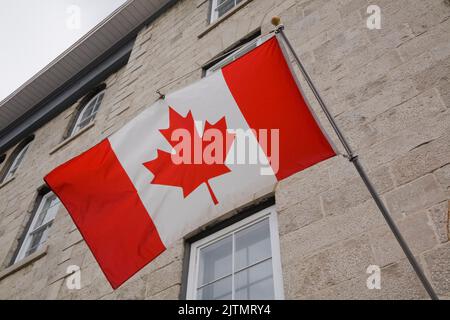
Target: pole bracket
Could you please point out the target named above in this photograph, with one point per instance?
(162, 96)
(350, 157)
(279, 28)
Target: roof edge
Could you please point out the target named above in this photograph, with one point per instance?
(57, 101)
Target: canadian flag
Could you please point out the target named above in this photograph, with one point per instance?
(183, 162)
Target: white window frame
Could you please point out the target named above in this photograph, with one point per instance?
(16, 162)
(215, 5)
(79, 123)
(194, 257)
(237, 53)
(33, 228)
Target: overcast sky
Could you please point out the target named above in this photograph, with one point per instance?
(34, 32)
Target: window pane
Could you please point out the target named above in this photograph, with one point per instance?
(41, 216)
(88, 110)
(17, 161)
(48, 210)
(223, 2)
(52, 208)
(220, 290)
(11, 172)
(215, 261)
(253, 244)
(86, 117)
(99, 101)
(255, 282)
(224, 6)
(38, 238)
(88, 113)
(83, 123)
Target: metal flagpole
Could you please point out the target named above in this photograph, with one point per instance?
(354, 159)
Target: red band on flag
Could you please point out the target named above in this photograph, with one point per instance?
(267, 94)
(108, 212)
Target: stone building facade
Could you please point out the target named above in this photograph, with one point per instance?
(389, 90)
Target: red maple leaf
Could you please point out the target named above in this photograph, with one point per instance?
(189, 175)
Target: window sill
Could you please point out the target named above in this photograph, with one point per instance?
(71, 138)
(24, 262)
(214, 24)
(7, 181)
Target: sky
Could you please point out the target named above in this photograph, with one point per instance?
(34, 32)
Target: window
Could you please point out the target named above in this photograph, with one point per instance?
(220, 7)
(235, 52)
(87, 113)
(17, 160)
(241, 261)
(37, 232)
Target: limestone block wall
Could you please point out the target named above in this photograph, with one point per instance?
(389, 90)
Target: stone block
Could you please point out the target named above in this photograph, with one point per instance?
(425, 41)
(391, 94)
(96, 290)
(422, 160)
(348, 6)
(409, 114)
(432, 75)
(398, 282)
(53, 290)
(299, 215)
(367, 81)
(405, 140)
(132, 290)
(438, 266)
(444, 90)
(91, 274)
(172, 293)
(443, 176)
(306, 241)
(301, 186)
(317, 18)
(60, 271)
(417, 232)
(440, 217)
(338, 263)
(65, 255)
(163, 278)
(415, 196)
(346, 196)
